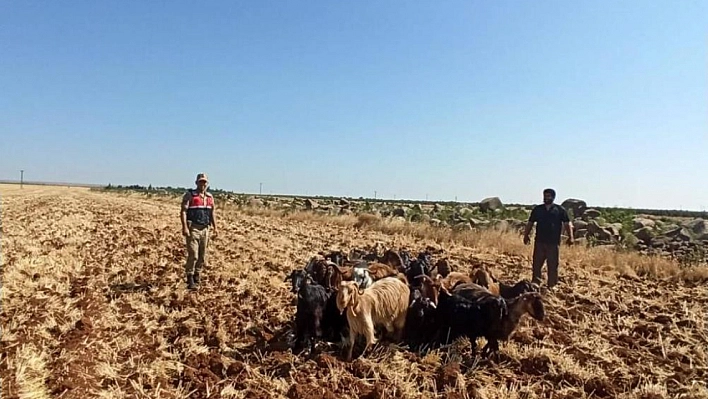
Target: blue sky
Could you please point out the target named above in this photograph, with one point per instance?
(605, 101)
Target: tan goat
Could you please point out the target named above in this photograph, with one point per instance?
(384, 303)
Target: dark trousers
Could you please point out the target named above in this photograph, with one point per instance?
(545, 252)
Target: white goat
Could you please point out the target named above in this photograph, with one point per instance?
(362, 278)
(384, 303)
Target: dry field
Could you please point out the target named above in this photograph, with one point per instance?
(94, 305)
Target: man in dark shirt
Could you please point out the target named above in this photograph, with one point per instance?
(550, 219)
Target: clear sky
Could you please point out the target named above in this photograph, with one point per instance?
(603, 100)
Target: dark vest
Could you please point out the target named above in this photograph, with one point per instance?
(200, 209)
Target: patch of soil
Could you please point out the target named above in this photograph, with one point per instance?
(446, 375)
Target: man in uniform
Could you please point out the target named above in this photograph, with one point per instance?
(550, 219)
(197, 215)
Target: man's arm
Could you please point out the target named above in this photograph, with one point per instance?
(568, 226)
(213, 216)
(529, 225)
(183, 213)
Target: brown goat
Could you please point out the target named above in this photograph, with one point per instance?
(393, 259)
(430, 288)
(444, 267)
(482, 277)
(454, 278)
(377, 271)
(530, 303)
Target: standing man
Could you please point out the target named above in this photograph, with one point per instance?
(197, 215)
(550, 219)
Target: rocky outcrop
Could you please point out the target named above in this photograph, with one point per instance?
(491, 204)
(577, 206)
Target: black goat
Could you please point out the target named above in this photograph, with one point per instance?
(336, 257)
(420, 321)
(419, 266)
(311, 304)
(458, 316)
(513, 291)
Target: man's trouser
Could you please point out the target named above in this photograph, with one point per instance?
(197, 242)
(549, 253)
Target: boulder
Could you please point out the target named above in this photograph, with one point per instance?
(343, 202)
(591, 214)
(399, 212)
(435, 222)
(580, 225)
(660, 242)
(502, 225)
(640, 223)
(490, 204)
(478, 223)
(581, 233)
(577, 206)
(600, 233)
(679, 234)
(462, 226)
(644, 234)
(699, 227)
(310, 204)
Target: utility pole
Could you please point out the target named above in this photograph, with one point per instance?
(22, 178)
(374, 194)
(260, 188)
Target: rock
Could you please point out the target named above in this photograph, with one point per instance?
(699, 227)
(310, 204)
(417, 208)
(437, 208)
(345, 211)
(343, 202)
(640, 223)
(591, 214)
(577, 206)
(502, 225)
(464, 212)
(399, 212)
(660, 242)
(490, 204)
(679, 233)
(581, 241)
(435, 222)
(600, 233)
(416, 217)
(463, 226)
(644, 234)
(580, 225)
(582, 233)
(255, 202)
(478, 223)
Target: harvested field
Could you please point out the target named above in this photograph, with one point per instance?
(94, 304)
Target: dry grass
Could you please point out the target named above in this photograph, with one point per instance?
(94, 305)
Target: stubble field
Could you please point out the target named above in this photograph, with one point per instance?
(94, 305)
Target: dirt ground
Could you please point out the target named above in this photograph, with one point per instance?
(94, 305)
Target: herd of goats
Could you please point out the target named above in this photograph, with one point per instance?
(414, 300)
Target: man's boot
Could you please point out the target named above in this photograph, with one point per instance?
(196, 277)
(190, 282)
